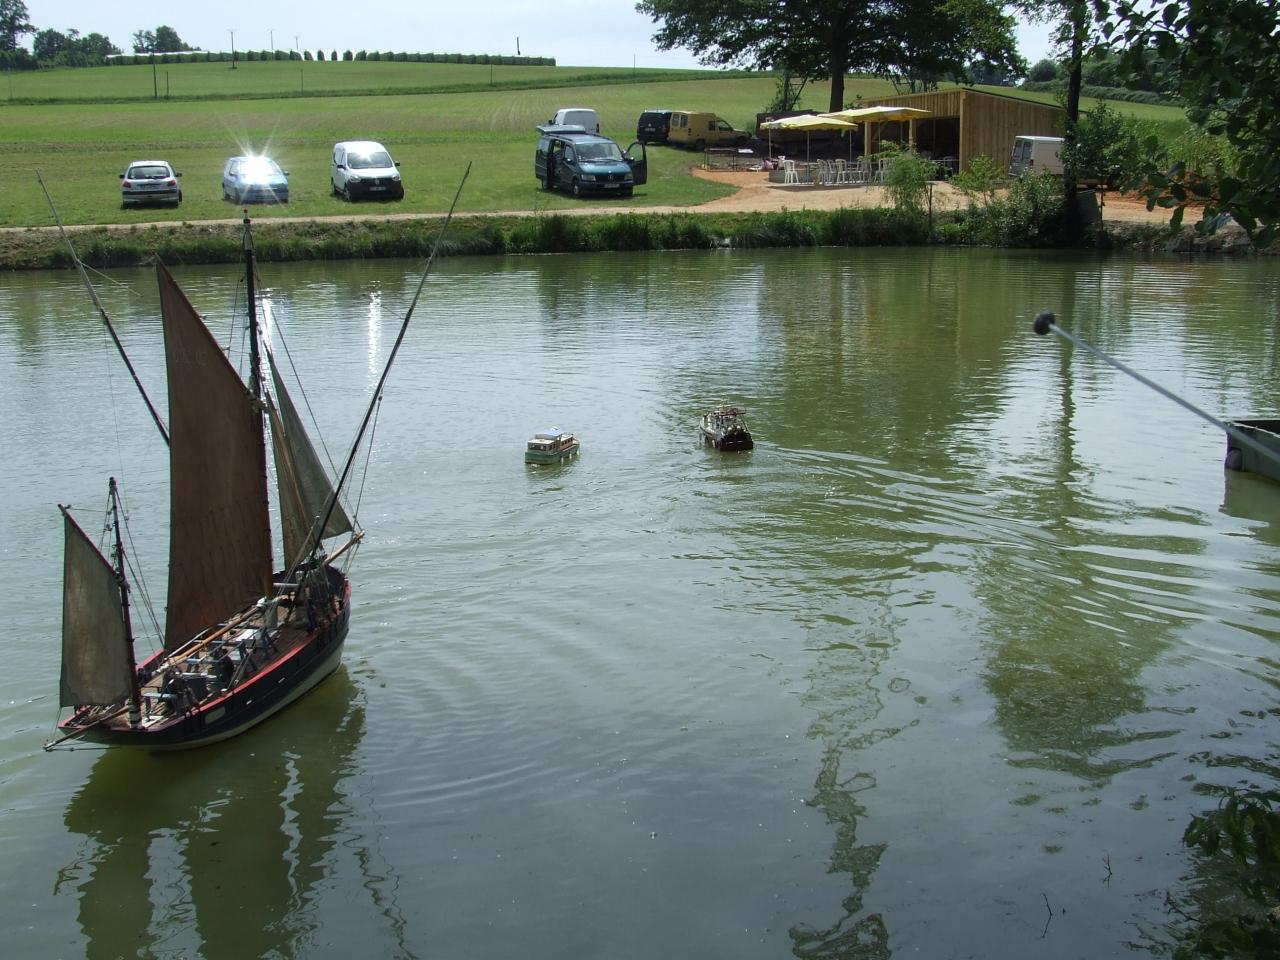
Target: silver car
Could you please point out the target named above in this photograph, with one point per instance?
(255, 179)
(149, 181)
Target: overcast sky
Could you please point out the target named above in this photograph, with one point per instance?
(607, 33)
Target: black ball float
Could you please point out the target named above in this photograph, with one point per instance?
(1044, 320)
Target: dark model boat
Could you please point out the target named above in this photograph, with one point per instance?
(1241, 456)
(725, 428)
(241, 640)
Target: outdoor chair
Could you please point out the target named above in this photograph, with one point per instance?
(789, 174)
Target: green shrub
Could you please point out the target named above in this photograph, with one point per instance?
(789, 228)
(1108, 147)
(626, 231)
(979, 182)
(907, 180)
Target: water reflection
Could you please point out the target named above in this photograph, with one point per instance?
(222, 852)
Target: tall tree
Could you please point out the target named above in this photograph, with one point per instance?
(827, 38)
(13, 24)
(168, 41)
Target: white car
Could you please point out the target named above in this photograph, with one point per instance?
(364, 169)
(149, 181)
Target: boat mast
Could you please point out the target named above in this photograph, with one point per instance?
(255, 381)
(255, 375)
(117, 561)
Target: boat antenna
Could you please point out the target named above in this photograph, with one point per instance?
(1045, 322)
(103, 313)
(395, 348)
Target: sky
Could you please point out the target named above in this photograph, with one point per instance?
(605, 33)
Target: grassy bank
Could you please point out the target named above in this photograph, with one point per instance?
(97, 122)
(546, 233)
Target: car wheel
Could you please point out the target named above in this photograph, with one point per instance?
(627, 193)
(333, 189)
(546, 182)
(346, 193)
(577, 189)
(699, 145)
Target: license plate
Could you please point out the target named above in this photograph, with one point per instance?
(611, 186)
(375, 189)
(150, 186)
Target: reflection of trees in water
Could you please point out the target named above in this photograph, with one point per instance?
(222, 851)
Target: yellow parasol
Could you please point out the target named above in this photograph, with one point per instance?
(808, 122)
(882, 114)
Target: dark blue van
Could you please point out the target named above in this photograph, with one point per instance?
(585, 163)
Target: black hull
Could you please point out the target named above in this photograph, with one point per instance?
(731, 441)
(277, 685)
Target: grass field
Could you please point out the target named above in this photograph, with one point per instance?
(80, 146)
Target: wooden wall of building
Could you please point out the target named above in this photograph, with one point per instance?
(988, 122)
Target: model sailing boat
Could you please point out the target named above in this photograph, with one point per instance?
(241, 641)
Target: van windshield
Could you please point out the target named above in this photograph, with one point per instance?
(599, 151)
(368, 161)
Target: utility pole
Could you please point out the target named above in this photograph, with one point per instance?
(233, 48)
(272, 33)
(155, 85)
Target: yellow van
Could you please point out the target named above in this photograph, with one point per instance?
(701, 130)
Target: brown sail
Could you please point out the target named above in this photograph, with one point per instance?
(220, 528)
(305, 490)
(95, 651)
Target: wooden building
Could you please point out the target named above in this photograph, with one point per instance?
(966, 123)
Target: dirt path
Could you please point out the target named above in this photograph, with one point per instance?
(757, 193)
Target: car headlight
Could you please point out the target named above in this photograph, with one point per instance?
(353, 177)
(589, 177)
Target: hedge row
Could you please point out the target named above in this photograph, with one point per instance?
(211, 56)
(1102, 93)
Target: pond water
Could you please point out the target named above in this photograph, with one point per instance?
(942, 667)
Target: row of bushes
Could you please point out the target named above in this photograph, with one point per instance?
(541, 233)
(1102, 93)
(214, 56)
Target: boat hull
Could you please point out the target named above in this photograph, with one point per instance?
(555, 456)
(727, 441)
(278, 684)
(1241, 457)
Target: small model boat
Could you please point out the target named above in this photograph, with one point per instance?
(551, 446)
(725, 428)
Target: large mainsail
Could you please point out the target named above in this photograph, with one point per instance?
(95, 640)
(220, 527)
(305, 490)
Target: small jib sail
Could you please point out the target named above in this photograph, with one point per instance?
(95, 634)
(304, 487)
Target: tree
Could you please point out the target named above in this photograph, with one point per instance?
(70, 49)
(1222, 55)
(47, 44)
(144, 41)
(827, 38)
(1043, 72)
(13, 24)
(933, 41)
(168, 41)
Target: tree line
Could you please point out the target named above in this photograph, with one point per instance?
(70, 48)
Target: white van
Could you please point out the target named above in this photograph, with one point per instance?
(583, 117)
(1035, 155)
(362, 169)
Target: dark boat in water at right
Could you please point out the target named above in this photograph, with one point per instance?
(725, 428)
